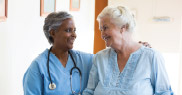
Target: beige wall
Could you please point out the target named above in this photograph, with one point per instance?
(180, 74)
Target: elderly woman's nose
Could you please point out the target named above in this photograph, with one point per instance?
(103, 33)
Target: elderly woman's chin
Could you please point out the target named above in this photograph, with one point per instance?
(108, 44)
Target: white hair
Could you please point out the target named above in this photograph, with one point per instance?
(120, 16)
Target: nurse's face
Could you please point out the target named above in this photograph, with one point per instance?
(110, 32)
(65, 36)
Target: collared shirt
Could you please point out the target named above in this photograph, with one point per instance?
(143, 74)
(36, 80)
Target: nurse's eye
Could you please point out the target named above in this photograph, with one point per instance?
(70, 30)
(74, 30)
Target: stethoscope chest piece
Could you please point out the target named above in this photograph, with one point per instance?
(52, 86)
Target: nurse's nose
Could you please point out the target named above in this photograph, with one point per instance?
(74, 34)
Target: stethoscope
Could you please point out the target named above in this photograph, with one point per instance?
(52, 85)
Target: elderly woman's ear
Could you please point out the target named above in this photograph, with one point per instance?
(123, 28)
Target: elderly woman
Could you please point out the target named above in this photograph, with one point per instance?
(58, 70)
(126, 67)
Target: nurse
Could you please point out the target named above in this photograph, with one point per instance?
(58, 70)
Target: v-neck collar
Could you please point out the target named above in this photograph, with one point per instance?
(55, 61)
(116, 77)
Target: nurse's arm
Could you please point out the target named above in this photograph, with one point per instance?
(32, 81)
(159, 78)
(93, 80)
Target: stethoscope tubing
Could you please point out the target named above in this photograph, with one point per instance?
(75, 67)
(48, 65)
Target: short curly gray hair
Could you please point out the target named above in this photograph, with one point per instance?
(120, 16)
(53, 21)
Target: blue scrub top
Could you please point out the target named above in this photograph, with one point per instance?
(143, 74)
(36, 80)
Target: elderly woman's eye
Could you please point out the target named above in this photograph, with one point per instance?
(105, 28)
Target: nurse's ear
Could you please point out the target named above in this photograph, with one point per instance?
(52, 33)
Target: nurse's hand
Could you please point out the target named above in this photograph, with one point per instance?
(146, 44)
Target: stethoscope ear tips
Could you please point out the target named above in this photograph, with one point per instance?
(52, 86)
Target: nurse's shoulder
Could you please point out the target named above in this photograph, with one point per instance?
(39, 63)
(33, 77)
(83, 60)
(82, 55)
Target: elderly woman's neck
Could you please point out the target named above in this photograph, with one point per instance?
(127, 48)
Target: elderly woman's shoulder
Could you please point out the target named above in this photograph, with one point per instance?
(150, 51)
(105, 51)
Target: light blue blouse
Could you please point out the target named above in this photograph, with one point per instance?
(36, 80)
(143, 74)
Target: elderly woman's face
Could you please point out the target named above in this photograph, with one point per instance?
(110, 32)
(65, 36)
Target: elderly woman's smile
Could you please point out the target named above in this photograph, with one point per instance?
(106, 38)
